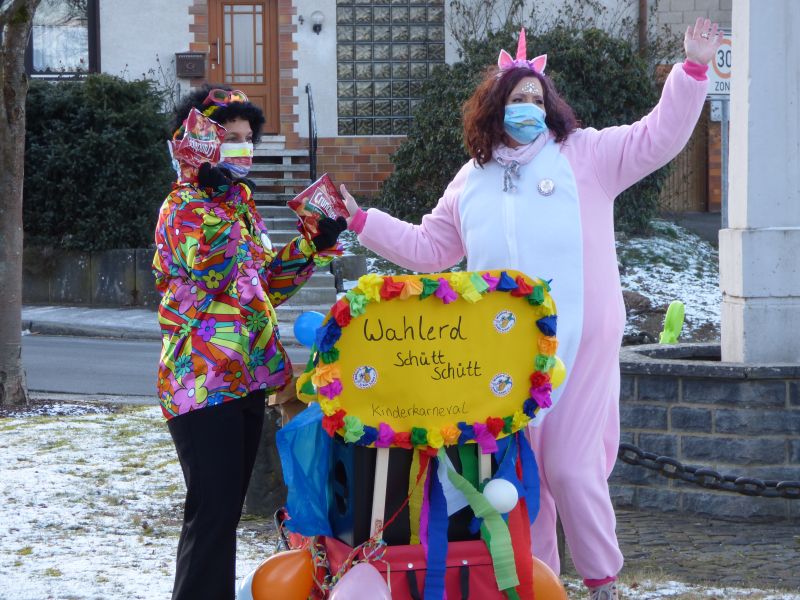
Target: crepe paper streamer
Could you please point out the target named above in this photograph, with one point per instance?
(537, 295)
(467, 433)
(673, 323)
(328, 335)
(341, 312)
(391, 288)
(520, 531)
(499, 544)
(385, 436)
(429, 286)
(455, 499)
(370, 285)
(425, 513)
(411, 287)
(523, 287)
(306, 391)
(436, 557)
(358, 303)
(469, 464)
(506, 284)
(484, 438)
(331, 356)
(369, 437)
(547, 325)
(333, 389)
(333, 423)
(541, 395)
(353, 429)
(445, 293)
(330, 407)
(479, 283)
(419, 436)
(450, 434)
(415, 493)
(325, 374)
(530, 475)
(491, 281)
(544, 363)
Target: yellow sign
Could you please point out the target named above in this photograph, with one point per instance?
(428, 357)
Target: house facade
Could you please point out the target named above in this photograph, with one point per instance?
(362, 62)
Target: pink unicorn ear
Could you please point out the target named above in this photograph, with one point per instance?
(522, 46)
(504, 60)
(539, 63)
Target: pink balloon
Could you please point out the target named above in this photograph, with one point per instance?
(362, 581)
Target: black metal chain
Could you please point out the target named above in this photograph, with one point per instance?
(708, 478)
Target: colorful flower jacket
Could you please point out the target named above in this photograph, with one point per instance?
(219, 281)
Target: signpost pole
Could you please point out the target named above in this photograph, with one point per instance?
(725, 102)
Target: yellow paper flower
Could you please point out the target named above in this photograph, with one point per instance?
(435, 439)
(462, 283)
(412, 287)
(329, 407)
(324, 374)
(370, 285)
(519, 421)
(450, 434)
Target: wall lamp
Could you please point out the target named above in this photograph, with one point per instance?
(316, 19)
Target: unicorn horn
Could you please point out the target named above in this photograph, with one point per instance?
(522, 49)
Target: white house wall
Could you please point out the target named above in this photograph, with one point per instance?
(134, 32)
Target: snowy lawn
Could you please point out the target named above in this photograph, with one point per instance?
(90, 508)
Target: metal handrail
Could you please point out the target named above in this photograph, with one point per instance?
(312, 135)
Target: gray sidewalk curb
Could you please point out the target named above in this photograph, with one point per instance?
(51, 328)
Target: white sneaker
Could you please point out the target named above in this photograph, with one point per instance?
(605, 592)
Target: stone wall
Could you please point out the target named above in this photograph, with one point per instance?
(680, 401)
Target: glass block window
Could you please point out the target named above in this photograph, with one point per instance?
(385, 50)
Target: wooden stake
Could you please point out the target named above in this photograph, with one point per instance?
(379, 490)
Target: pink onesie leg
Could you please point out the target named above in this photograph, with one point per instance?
(575, 448)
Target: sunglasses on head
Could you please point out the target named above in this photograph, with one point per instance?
(224, 97)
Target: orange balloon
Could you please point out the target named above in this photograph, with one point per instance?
(546, 584)
(284, 576)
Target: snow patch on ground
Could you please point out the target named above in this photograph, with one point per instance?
(90, 508)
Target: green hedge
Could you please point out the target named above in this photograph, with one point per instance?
(600, 76)
(96, 163)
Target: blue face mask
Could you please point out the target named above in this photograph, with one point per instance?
(524, 122)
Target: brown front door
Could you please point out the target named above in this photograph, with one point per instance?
(244, 52)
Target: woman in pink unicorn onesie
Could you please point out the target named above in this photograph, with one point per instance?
(538, 196)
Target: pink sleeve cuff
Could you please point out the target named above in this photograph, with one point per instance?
(358, 221)
(695, 70)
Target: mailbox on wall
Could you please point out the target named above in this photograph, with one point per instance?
(190, 64)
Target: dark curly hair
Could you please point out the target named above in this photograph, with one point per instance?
(244, 110)
(484, 111)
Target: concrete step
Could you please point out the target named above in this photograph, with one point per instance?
(267, 167)
(298, 182)
(267, 198)
(281, 223)
(282, 152)
(280, 211)
(322, 280)
(314, 295)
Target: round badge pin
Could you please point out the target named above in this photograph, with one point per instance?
(546, 187)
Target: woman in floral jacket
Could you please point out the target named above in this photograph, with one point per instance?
(220, 279)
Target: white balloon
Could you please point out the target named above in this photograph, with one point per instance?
(501, 494)
(246, 587)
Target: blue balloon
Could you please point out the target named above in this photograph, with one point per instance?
(306, 325)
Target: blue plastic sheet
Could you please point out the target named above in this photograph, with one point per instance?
(305, 451)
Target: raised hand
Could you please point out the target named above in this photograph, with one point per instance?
(702, 41)
(349, 202)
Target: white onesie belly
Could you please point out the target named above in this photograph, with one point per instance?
(538, 235)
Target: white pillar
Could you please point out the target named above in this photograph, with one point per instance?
(760, 251)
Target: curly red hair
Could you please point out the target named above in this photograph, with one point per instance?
(485, 110)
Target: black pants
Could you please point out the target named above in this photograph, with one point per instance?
(217, 448)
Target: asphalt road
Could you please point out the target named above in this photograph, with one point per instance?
(80, 365)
